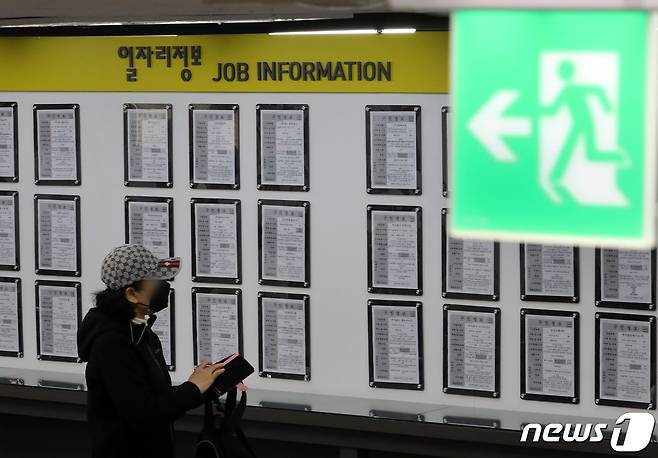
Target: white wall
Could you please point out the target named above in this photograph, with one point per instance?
(338, 199)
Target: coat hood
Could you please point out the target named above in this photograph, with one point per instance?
(93, 325)
(96, 323)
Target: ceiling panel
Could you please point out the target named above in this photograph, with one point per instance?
(22, 12)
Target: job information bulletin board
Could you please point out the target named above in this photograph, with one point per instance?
(304, 182)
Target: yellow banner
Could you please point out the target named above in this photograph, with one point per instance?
(381, 63)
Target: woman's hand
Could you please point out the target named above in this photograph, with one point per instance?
(204, 375)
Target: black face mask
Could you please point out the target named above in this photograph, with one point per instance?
(160, 299)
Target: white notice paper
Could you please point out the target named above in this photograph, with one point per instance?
(58, 320)
(217, 326)
(284, 335)
(393, 149)
(7, 145)
(56, 132)
(214, 146)
(471, 350)
(9, 325)
(395, 344)
(549, 270)
(283, 243)
(394, 249)
(57, 234)
(626, 276)
(7, 231)
(550, 355)
(148, 145)
(282, 147)
(216, 240)
(625, 360)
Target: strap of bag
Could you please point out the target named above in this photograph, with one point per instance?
(229, 407)
(232, 420)
(239, 410)
(235, 422)
(208, 415)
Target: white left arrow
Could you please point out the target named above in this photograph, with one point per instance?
(489, 124)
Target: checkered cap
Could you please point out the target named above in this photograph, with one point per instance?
(128, 263)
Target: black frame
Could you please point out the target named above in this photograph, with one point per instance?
(14, 107)
(70, 284)
(398, 191)
(19, 312)
(419, 245)
(78, 248)
(163, 200)
(235, 108)
(445, 110)
(444, 268)
(576, 356)
(478, 309)
(216, 291)
(547, 298)
(17, 243)
(76, 114)
(599, 302)
(276, 187)
(172, 329)
(307, 242)
(305, 298)
(651, 405)
(170, 177)
(419, 324)
(238, 223)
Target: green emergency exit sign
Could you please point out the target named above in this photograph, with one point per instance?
(554, 126)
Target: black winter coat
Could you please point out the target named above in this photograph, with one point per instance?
(131, 404)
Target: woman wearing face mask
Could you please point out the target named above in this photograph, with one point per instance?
(131, 403)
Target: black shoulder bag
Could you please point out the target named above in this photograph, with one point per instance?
(225, 440)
